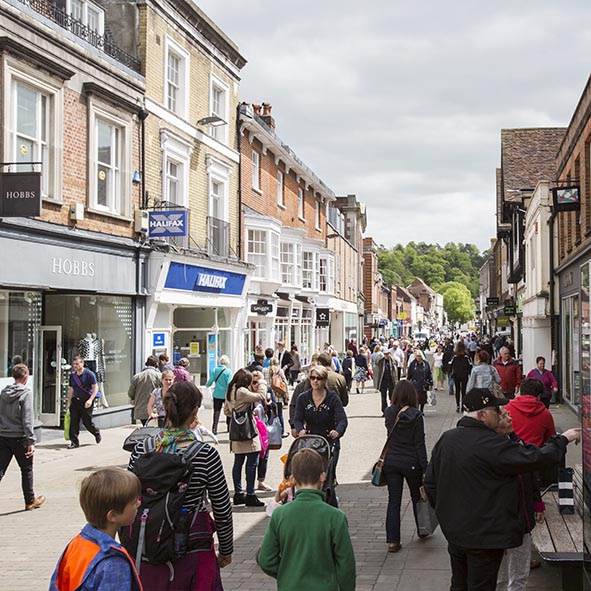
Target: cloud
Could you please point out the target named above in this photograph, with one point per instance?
(403, 103)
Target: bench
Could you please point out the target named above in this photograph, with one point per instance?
(559, 539)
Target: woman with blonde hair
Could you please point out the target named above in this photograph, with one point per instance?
(419, 373)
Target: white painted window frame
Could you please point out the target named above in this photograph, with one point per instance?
(256, 170)
(178, 150)
(182, 109)
(221, 132)
(86, 4)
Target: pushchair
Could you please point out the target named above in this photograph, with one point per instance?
(326, 450)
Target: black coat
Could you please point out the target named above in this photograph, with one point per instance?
(322, 419)
(420, 375)
(472, 482)
(460, 367)
(285, 361)
(407, 445)
(448, 354)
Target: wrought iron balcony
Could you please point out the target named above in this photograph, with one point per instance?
(50, 10)
(218, 237)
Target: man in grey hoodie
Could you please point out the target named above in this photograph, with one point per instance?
(17, 437)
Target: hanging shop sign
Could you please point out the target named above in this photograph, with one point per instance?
(167, 223)
(567, 198)
(492, 301)
(262, 307)
(509, 310)
(20, 194)
(322, 316)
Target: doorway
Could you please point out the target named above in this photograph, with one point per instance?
(51, 375)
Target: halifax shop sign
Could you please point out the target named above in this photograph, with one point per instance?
(166, 223)
(20, 194)
(203, 279)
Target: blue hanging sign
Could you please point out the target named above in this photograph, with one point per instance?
(166, 223)
(203, 279)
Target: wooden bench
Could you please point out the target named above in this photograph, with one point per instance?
(559, 539)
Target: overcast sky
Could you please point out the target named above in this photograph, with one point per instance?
(402, 103)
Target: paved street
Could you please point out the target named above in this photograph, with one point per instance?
(31, 542)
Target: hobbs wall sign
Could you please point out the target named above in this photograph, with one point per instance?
(20, 194)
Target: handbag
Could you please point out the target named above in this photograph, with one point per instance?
(139, 434)
(275, 433)
(67, 422)
(497, 391)
(207, 398)
(242, 426)
(377, 477)
(427, 521)
(278, 385)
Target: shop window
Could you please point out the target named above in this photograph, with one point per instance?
(310, 270)
(257, 251)
(288, 263)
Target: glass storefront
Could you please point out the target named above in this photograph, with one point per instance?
(571, 375)
(97, 327)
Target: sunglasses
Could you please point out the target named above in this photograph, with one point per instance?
(317, 378)
(254, 383)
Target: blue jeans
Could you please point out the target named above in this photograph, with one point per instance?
(395, 477)
(252, 460)
(280, 415)
(450, 384)
(262, 468)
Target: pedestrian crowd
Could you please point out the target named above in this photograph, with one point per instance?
(481, 481)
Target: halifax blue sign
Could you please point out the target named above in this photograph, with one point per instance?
(202, 279)
(167, 222)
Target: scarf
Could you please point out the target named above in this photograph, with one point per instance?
(168, 439)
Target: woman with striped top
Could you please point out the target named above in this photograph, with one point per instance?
(198, 570)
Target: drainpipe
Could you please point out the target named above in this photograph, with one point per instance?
(238, 142)
(143, 115)
(551, 299)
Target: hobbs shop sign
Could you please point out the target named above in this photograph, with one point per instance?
(47, 266)
(20, 194)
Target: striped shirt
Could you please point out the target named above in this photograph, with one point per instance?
(208, 476)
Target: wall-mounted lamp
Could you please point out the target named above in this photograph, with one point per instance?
(213, 120)
(332, 236)
(137, 178)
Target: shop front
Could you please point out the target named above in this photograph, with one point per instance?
(58, 301)
(196, 310)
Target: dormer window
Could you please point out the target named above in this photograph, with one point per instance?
(88, 14)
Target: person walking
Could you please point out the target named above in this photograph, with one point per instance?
(419, 373)
(156, 404)
(348, 369)
(284, 357)
(278, 384)
(460, 367)
(361, 370)
(510, 373)
(473, 457)
(448, 353)
(398, 356)
(82, 392)
(437, 368)
(388, 378)
(296, 366)
(375, 358)
(17, 436)
(547, 378)
(240, 398)
(141, 387)
(220, 378)
(483, 375)
(181, 373)
(406, 457)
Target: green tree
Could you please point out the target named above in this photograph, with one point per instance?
(457, 304)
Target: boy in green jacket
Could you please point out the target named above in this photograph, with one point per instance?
(307, 543)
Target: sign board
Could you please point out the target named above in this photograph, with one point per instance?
(158, 339)
(204, 279)
(194, 348)
(502, 321)
(322, 316)
(212, 345)
(567, 198)
(262, 307)
(509, 310)
(492, 301)
(167, 222)
(20, 194)
(401, 315)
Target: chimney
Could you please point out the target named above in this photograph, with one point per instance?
(256, 109)
(266, 116)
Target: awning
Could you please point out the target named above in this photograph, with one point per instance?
(337, 305)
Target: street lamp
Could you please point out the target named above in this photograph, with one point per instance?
(212, 120)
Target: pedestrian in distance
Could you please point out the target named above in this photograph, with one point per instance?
(437, 368)
(164, 363)
(547, 378)
(181, 373)
(448, 353)
(419, 373)
(296, 365)
(94, 560)
(387, 371)
(483, 375)
(155, 403)
(376, 355)
(307, 543)
(17, 437)
(220, 378)
(473, 457)
(82, 393)
(406, 457)
(510, 372)
(460, 367)
(335, 382)
(284, 357)
(348, 368)
(361, 370)
(141, 387)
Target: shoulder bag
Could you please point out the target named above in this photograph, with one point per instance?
(242, 424)
(377, 477)
(495, 388)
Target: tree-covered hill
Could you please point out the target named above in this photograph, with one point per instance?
(434, 264)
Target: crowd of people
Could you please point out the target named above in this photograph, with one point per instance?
(505, 435)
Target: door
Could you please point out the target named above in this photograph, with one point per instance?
(51, 374)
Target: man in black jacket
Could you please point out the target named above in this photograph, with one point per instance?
(472, 483)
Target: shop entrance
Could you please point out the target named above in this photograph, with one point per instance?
(51, 375)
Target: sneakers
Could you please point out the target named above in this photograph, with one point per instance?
(394, 547)
(253, 501)
(73, 445)
(36, 503)
(98, 437)
(262, 486)
(239, 498)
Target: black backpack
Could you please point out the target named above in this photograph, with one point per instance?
(165, 479)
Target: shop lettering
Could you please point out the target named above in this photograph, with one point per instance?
(214, 281)
(72, 267)
(21, 194)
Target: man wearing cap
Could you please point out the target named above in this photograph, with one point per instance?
(472, 482)
(388, 377)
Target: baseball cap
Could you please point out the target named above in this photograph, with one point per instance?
(479, 398)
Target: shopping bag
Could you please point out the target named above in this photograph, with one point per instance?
(431, 398)
(207, 398)
(426, 519)
(275, 433)
(67, 426)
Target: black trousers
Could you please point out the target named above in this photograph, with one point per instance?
(460, 386)
(79, 413)
(17, 447)
(386, 390)
(474, 570)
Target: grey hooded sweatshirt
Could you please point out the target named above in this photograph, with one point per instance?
(16, 413)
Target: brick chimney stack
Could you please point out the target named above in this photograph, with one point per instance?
(266, 116)
(256, 109)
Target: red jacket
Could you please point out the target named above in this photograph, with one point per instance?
(510, 373)
(532, 421)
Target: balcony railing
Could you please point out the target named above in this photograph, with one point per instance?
(218, 237)
(49, 9)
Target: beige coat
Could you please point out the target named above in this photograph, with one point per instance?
(240, 400)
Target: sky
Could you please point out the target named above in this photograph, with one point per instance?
(402, 103)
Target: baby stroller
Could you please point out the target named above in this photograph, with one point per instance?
(325, 449)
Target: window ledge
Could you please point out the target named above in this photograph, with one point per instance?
(302, 219)
(281, 206)
(318, 229)
(109, 214)
(257, 191)
(53, 201)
